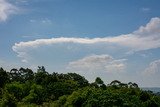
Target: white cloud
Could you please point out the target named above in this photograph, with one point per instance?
(98, 63)
(150, 77)
(6, 9)
(145, 9)
(46, 21)
(32, 20)
(152, 28)
(153, 68)
(21, 1)
(41, 21)
(146, 37)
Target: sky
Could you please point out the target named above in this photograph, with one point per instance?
(110, 39)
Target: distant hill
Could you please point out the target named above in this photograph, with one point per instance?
(153, 89)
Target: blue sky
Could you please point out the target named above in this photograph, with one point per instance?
(112, 39)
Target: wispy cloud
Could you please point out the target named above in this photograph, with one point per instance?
(41, 21)
(145, 9)
(21, 1)
(6, 9)
(100, 63)
(32, 20)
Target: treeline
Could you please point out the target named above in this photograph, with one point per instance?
(25, 88)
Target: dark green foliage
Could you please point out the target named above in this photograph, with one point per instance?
(115, 82)
(58, 89)
(98, 80)
(132, 85)
(99, 83)
(8, 100)
(81, 81)
(24, 88)
(144, 96)
(41, 78)
(36, 95)
(15, 75)
(16, 89)
(4, 77)
(93, 97)
(94, 85)
(22, 75)
(26, 74)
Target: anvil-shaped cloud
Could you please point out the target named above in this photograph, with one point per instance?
(146, 37)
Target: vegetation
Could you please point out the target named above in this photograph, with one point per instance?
(24, 88)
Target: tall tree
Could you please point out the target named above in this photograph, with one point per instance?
(82, 82)
(98, 80)
(15, 75)
(115, 82)
(26, 74)
(4, 77)
(41, 76)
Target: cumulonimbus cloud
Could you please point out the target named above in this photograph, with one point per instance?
(146, 37)
(153, 68)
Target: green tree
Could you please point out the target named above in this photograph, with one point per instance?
(132, 85)
(81, 81)
(144, 96)
(57, 89)
(41, 76)
(36, 95)
(115, 82)
(98, 80)
(4, 77)
(8, 100)
(15, 75)
(16, 89)
(41, 69)
(99, 83)
(26, 74)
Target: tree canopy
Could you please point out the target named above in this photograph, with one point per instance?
(23, 87)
